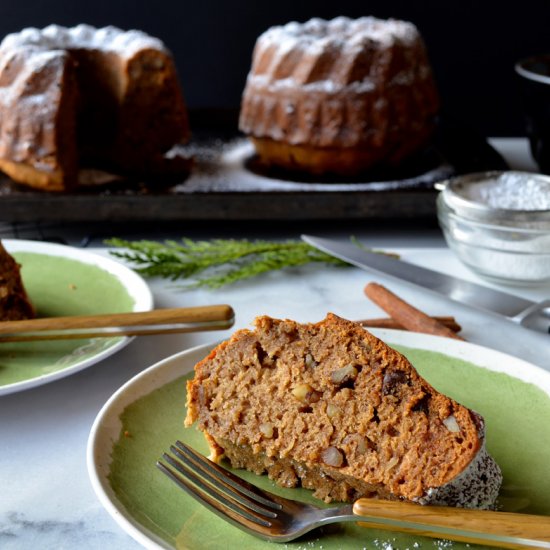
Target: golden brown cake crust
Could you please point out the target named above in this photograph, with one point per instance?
(330, 406)
(14, 302)
(364, 87)
(345, 162)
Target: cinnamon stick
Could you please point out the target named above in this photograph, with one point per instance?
(410, 317)
(389, 322)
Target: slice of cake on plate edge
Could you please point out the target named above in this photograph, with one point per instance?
(330, 407)
(15, 304)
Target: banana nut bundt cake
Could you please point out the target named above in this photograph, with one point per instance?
(72, 97)
(14, 302)
(330, 407)
(339, 96)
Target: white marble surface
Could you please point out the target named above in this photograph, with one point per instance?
(46, 499)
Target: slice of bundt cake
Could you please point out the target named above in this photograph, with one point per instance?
(332, 408)
(339, 96)
(14, 302)
(86, 97)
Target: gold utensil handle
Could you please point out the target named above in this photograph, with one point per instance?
(158, 321)
(500, 529)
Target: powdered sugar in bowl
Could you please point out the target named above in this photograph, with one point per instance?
(498, 224)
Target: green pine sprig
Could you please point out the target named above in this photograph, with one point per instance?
(218, 262)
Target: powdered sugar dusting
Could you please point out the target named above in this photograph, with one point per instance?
(346, 32)
(343, 39)
(477, 486)
(32, 64)
(390, 543)
(55, 37)
(223, 168)
(36, 104)
(513, 191)
(327, 86)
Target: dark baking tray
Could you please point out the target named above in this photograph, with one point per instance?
(227, 184)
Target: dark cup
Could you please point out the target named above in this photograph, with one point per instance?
(534, 73)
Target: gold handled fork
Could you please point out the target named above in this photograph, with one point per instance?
(278, 519)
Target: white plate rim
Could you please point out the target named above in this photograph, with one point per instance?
(106, 427)
(134, 284)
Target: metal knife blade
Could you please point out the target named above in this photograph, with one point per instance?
(532, 315)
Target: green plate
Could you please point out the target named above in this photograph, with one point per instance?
(146, 415)
(61, 280)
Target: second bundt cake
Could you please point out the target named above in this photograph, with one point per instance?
(339, 96)
(74, 97)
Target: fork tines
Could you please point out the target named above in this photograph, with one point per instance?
(223, 492)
